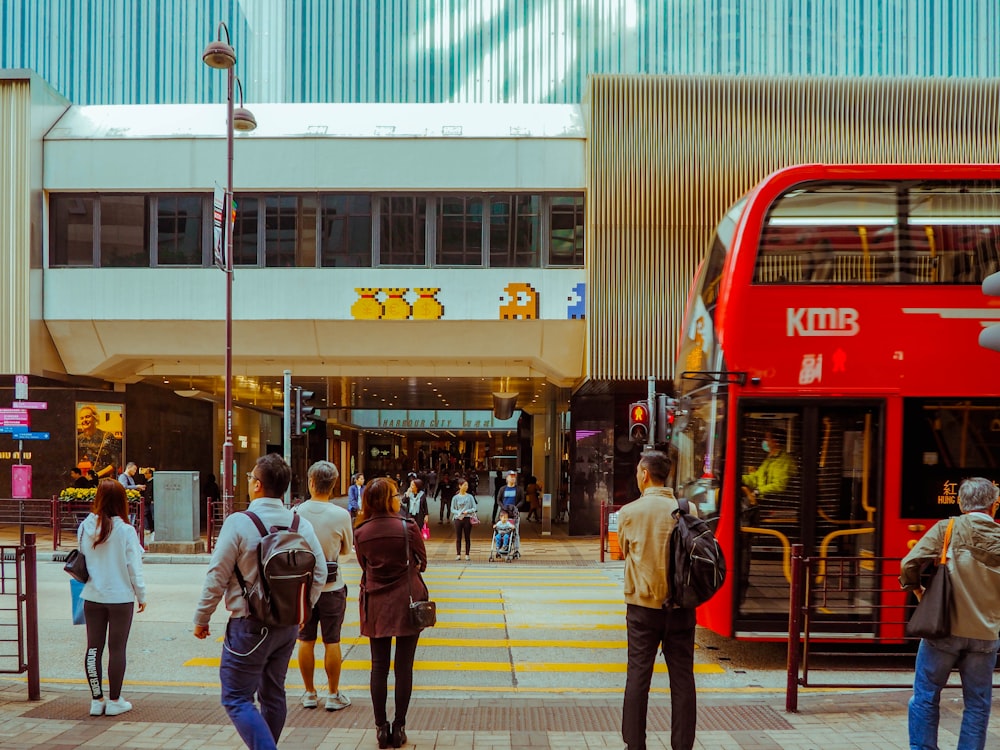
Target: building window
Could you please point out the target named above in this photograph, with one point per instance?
(402, 231)
(566, 231)
(245, 231)
(124, 235)
(289, 231)
(459, 231)
(179, 230)
(71, 232)
(515, 231)
(346, 231)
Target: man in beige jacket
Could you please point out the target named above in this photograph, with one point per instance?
(644, 527)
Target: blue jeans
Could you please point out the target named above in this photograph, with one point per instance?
(255, 661)
(975, 660)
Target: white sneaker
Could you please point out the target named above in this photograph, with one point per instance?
(467, 557)
(308, 700)
(457, 558)
(337, 702)
(97, 707)
(120, 706)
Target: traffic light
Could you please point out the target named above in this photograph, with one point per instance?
(304, 412)
(638, 422)
(989, 337)
(666, 410)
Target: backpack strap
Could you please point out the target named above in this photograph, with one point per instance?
(682, 506)
(263, 532)
(256, 522)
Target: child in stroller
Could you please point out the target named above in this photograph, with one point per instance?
(505, 538)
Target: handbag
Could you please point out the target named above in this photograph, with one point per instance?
(75, 593)
(423, 614)
(474, 519)
(76, 566)
(932, 616)
(425, 532)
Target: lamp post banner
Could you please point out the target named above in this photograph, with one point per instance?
(218, 209)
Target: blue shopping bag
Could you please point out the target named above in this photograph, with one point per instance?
(75, 590)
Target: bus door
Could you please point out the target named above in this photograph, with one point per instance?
(810, 474)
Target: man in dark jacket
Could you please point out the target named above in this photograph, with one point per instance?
(509, 495)
(974, 569)
(446, 490)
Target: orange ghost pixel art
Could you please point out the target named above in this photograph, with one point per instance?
(519, 302)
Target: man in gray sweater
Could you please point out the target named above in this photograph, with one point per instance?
(254, 656)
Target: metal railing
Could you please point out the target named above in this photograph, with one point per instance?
(19, 613)
(67, 516)
(606, 510)
(835, 603)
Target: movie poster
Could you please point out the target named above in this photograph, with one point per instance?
(100, 433)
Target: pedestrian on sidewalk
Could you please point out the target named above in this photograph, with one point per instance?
(114, 561)
(974, 569)
(254, 656)
(333, 528)
(388, 581)
(354, 495)
(509, 495)
(446, 491)
(415, 502)
(651, 622)
(463, 513)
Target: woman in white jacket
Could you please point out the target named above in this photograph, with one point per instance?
(114, 561)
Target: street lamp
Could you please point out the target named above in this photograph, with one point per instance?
(221, 55)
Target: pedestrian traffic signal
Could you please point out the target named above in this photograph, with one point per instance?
(638, 422)
(304, 413)
(666, 410)
(989, 337)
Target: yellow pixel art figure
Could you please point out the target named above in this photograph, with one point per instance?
(395, 307)
(427, 306)
(367, 307)
(519, 302)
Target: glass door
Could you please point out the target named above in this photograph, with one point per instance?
(809, 475)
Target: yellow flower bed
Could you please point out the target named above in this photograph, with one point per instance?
(79, 495)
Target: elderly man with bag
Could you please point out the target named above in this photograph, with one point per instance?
(973, 560)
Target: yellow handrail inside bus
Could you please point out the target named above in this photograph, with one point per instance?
(785, 546)
(865, 255)
(821, 574)
(837, 522)
(827, 427)
(932, 244)
(866, 471)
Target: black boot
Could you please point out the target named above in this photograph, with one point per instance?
(382, 735)
(398, 734)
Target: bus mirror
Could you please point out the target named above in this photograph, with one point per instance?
(989, 337)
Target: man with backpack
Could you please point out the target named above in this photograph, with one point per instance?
(264, 615)
(651, 620)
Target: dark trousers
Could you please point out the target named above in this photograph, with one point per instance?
(671, 630)
(381, 648)
(463, 528)
(111, 622)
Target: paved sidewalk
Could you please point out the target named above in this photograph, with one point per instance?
(844, 720)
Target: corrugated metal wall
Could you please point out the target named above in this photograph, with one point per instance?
(123, 52)
(667, 156)
(15, 229)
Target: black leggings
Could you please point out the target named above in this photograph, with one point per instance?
(381, 648)
(463, 527)
(111, 622)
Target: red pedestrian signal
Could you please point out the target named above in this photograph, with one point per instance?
(638, 422)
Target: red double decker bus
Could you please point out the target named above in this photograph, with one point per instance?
(835, 390)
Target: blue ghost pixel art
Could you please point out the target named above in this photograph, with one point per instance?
(577, 310)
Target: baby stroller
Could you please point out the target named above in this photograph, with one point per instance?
(512, 550)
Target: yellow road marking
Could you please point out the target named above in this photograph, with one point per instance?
(500, 643)
(485, 666)
(360, 687)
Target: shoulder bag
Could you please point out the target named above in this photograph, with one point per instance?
(422, 614)
(932, 616)
(76, 561)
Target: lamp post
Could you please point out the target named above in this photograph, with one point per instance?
(221, 55)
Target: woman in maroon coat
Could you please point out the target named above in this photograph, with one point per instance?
(384, 599)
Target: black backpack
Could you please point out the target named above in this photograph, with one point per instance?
(697, 566)
(285, 566)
